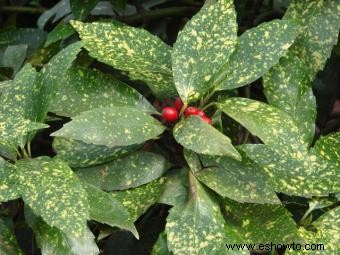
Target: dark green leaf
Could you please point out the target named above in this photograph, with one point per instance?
(58, 11)
(112, 126)
(202, 48)
(144, 56)
(242, 181)
(52, 241)
(328, 146)
(8, 243)
(197, 226)
(82, 89)
(9, 188)
(257, 51)
(105, 209)
(131, 171)
(288, 88)
(198, 136)
(82, 8)
(53, 191)
(161, 246)
(138, 200)
(60, 32)
(320, 23)
(14, 56)
(80, 154)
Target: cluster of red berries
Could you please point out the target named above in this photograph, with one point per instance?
(171, 113)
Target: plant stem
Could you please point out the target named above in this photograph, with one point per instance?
(208, 105)
(305, 215)
(23, 9)
(29, 149)
(246, 136)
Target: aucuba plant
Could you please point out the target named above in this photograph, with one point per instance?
(137, 125)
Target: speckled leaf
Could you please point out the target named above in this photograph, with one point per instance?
(261, 224)
(112, 126)
(60, 32)
(196, 135)
(82, 8)
(273, 126)
(51, 73)
(242, 181)
(53, 191)
(106, 209)
(9, 188)
(138, 200)
(144, 56)
(202, 48)
(82, 89)
(8, 242)
(14, 56)
(320, 23)
(79, 154)
(196, 227)
(32, 37)
(328, 228)
(258, 49)
(131, 171)
(161, 246)
(309, 176)
(52, 241)
(288, 88)
(328, 146)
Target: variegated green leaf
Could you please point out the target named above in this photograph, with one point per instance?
(328, 146)
(202, 48)
(320, 23)
(197, 226)
(288, 88)
(53, 191)
(131, 171)
(144, 56)
(8, 242)
(261, 224)
(82, 89)
(273, 126)
(327, 234)
(242, 181)
(105, 209)
(52, 72)
(52, 241)
(60, 32)
(196, 135)
(14, 56)
(79, 154)
(138, 200)
(82, 8)
(112, 126)
(309, 176)
(161, 246)
(258, 49)
(9, 188)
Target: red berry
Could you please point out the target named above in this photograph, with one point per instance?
(191, 110)
(206, 119)
(169, 114)
(178, 104)
(200, 113)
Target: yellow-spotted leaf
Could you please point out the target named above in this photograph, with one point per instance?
(327, 147)
(197, 226)
(128, 172)
(108, 210)
(53, 191)
(8, 242)
(79, 154)
(112, 126)
(161, 246)
(326, 238)
(139, 199)
(287, 87)
(308, 176)
(82, 89)
(319, 28)
(202, 48)
(9, 188)
(258, 49)
(51, 240)
(273, 126)
(198, 136)
(144, 56)
(261, 224)
(243, 181)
